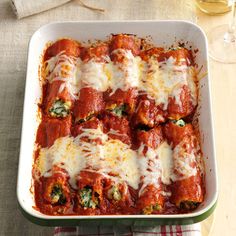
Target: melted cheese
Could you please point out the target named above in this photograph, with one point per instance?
(150, 168)
(121, 161)
(92, 152)
(164, 153)
(161, 80)
(94, 75)
(114, 132)
(125, 75)
(65, 154)
(158, 80)
(184, 162)
(92, 134)
(117, 160)
(63, 68)
(74, 154)
(98, 75)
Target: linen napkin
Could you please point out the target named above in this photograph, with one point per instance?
(164, 230)
(23, 8)
(179, 10)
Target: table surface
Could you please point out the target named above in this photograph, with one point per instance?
(14, 37)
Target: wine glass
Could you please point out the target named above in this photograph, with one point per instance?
(222, 40)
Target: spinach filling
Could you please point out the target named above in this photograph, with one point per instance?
(120, 110)
(180, 122)
(175, 48)
(57, 195)
(60, 108)
(86, 198)
(149, 209)
(114, 193)
(189, 205)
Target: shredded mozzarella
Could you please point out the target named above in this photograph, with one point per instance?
(184, 162)
(125, 75)
(117, 160)
(64, 68)
(93, 74)
(161, 80)
(63, 153)
(158, 80)
(150, 168)
(164, 153)
(74, 154)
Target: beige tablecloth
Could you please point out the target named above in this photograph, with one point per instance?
(14, 38)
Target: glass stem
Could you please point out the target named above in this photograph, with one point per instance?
(230, 36)
(232, 23)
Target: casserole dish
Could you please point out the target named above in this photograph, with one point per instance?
(163, 33)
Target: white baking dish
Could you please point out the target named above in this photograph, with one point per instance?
(163, 33)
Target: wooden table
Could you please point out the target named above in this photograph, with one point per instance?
(223, 78)
(14, 37)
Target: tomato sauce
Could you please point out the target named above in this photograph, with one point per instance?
(141, 122)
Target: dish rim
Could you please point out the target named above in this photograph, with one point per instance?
(197, 214)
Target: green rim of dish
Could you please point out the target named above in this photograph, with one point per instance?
(122, 221)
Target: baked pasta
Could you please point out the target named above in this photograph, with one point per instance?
(116, 133)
